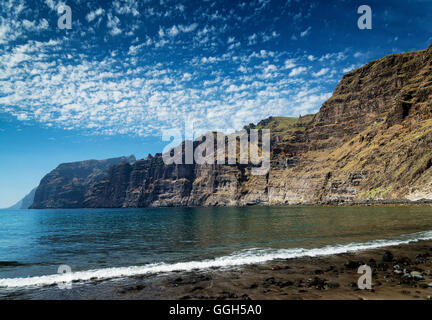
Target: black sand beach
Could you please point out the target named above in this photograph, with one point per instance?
(399, 273)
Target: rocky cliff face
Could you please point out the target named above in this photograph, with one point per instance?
(370, 141)
(67, 185)
(25, 202)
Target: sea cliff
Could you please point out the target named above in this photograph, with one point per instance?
(371, 141)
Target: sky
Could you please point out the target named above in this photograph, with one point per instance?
(128, 70)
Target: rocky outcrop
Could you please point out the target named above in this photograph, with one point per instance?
(67, 185)
(25, 202)
(370, 141)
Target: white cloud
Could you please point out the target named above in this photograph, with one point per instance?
(34, 26)
(350, 68)
(306, 32)
(188, 28)
(321, 73)
(268, 37)
(339, 56)
(51, 4)
(297, 71)
(187, 76)
(93, 14)
(113, 25)
(126, 7)
(133, 50)
(173, 31)
(290, 63)
(133, 89)
(252, 39)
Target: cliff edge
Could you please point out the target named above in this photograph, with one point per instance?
(372, 140)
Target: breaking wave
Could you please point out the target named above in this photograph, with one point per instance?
(244, 257)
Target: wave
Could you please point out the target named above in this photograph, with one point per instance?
(244, 257)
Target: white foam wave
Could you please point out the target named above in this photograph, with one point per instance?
(244, 257)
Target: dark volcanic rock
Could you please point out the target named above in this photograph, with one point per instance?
(67, 185)
(387, 256)
(369, 142)
(352, 264)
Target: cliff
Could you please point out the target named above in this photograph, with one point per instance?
(25, 202)
(370, 141)
(67, 185)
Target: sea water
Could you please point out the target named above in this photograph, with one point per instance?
(115, 243)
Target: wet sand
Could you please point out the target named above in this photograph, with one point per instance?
(328, 277)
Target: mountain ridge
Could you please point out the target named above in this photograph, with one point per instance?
(369, 141)
(66, 186)
(24, 203)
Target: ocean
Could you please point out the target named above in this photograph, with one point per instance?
(117, 243)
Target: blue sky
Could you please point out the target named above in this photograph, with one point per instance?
(129, 69)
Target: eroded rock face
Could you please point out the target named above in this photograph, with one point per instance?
(371, 140)
(66, 186)
(25, 202)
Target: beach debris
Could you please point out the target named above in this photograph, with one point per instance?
(422, 257)
(330, 268)
(417, 275)
(382, 267)
(274, 268)
(253, 286)
(354, 286)
(352, 264)
(285, 284)
(397, 267)
(138, 287)
(430, 285)
(316, 282)
(387, 257)
(188, 281)
(404, 261)
(269, 281)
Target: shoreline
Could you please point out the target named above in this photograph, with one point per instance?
(335, 203)
(332, 277)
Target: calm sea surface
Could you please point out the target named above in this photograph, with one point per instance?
(121, 242)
